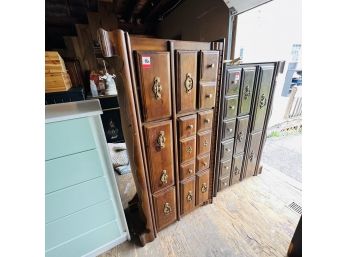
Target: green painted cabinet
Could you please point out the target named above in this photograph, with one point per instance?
(83, 210)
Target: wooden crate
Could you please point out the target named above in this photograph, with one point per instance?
(54, 63)
(57, 82)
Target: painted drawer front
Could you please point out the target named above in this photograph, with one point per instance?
(205, 120)
(87, 242)
(202, 187)
(75, 198)
(187, 195)
(68, 137)
(165, 208)
(71, 170)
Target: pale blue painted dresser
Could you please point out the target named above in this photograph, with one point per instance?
(84, 214)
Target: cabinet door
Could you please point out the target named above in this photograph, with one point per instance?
(207, 93)
(228, 129)
(230, 109)
(242, 129)
(209, 65)
(203, 142)
(187, 126)
(253, 151)
(165, 208)
(233, 81)
(226, 149)
(203, 162)
(187, 149)
(187, 194)
(236, 168)
(186, 80)
(246, 90)
(187, 170)
(159, 146)
(155, 86)
(225, 167)
(202, 187)
(262, 98)
(205, 120)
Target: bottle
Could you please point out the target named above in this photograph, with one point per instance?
(93, 86)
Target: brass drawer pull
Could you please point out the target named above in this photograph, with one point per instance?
(206, 120)
(189, 149)
(188, 83)
(209, 95)
(190, 126)
(164, 177)
(230, 130)
(206, 143)
(231, 107)
(204, 188)
(167, 209)
(251, 156)
(240, 136)
(189, 196)
(190, 171)
(157, 88)
(161, 139)
(211, 65)
(262, 101)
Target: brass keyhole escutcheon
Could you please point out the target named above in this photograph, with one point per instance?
(262, 101)
(236, 171)
(188, 83)
(167, 209)
(247, 92)
(157, 88)
(161, 140)
(251, 156)
(204, 188)
(189, 196)
(189, 149)
(240, 136)
(164, 177)
(205, 142)
(206, 120)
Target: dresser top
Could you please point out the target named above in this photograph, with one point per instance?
(72, 110)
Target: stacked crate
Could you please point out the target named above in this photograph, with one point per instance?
(57, 77)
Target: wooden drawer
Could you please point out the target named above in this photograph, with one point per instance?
(187, 170)
(204, 142)
(159, 147)
(207, 93)
(247, 89)
(186, 81)
(253, 151)
(227, 149)
(203, 162)
(68, 137)
(228, 129)
(187, 195)
(233, 81)
(155, 86)
(224, 183)
(209, 65)
(230, 107)
(205, 120)
(187, 149)
(165, 208)
(225, 168)
(187, 126)
(237, 166)
(262, 98)
(241, 133)
(202, 187)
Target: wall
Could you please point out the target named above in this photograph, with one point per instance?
(267, 33)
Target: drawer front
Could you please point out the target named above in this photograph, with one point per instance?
(237, 165)
(187, 126)
(233, 81)
(209, 65)
(228, 129)
(68, 137)
(187, 170)
(71, 170)
(246, 91)
(186, 81)
(261, 102)
(255, 140)
(242, 129)
(204, 142)
(187, 194)
(205, 120)
(230, 109)
(155, 87)
(165, 208)
(207, 93)
(225, 168)
(187, 149)
(227, 149)
(202, 187)
(159, 147)
(224, 182)
(203, 162)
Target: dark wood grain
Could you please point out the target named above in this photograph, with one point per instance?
(187, 149)
(187, 194)
(203, 162)
(187, 126)
(187, 169)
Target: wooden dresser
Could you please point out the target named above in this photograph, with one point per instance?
(84, 214)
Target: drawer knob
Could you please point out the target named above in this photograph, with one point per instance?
(209, 95)
(167, 209)
(230, 130)
(226, 167)
(240, 136)
(157, 88)
(225, 184)
(164, 177)
(204, 188)
(206, 120)
(205, 164)
(190, 126)
(188, 83)
(190, 171)
(161, 140)
(211, 65)
(247, 92)
(189, 149)
(227, 149)
(251, 156)
(231, 107)
(206, 143)
(189, 196)
(262, 101)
